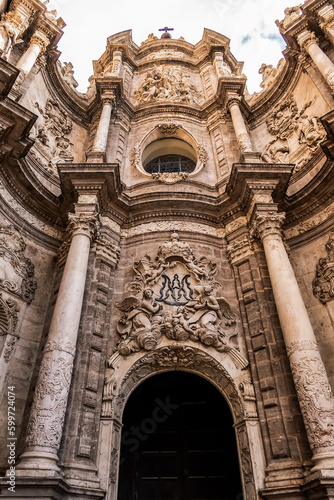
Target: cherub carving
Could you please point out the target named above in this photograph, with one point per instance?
(140, 326)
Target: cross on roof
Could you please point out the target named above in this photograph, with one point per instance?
(166, 29)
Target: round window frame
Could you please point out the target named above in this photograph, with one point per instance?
(145, 150)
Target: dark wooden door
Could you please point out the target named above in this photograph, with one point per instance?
(178, 442)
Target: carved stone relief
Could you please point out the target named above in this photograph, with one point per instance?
(8, 323)
(50, 131)
(67, 74)
(174, 297)
(315, 398)
(288, 123)
(269, 73)
(16, 271)
(12, 27)
(165, 83)
(323, 283)
(48, 409)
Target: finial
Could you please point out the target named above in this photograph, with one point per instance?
(166, 34)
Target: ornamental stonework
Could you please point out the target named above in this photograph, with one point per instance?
(50, 133)
(323, 283)
(288, 123)
(16, 270)
(175, 297)
(165, 83)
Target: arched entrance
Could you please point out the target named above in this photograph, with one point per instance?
(178, 442)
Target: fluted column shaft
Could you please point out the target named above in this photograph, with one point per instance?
(309, 374)
(101, 137)
(50, 400)
(239, 125)
(309, 43)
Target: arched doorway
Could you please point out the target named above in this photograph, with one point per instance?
(178, 442)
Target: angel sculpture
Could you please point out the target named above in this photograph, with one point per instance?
(207, 310)
(140, 326)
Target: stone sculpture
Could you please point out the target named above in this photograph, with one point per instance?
(175, 298)
(167, 84)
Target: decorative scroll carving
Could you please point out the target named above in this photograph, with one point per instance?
(11, 28)
(170, 177)
(168, 128)
(184, 307)
(287, 121)
(323, 283)
(8, 315)
(113, 465)
(48, 409)
(50, 130)
(165, 83)
(16, 271)
(315, 398)
(246, 463)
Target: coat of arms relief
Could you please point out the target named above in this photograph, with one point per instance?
(175, 297)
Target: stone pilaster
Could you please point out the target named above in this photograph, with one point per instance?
(279, 418)
(313, 390)
(50, 400)
(309, 43)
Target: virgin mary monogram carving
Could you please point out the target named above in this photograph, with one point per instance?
(174, 297)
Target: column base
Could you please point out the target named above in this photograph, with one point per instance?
(37, 464)
(96, 157)
(323, 460)
(251, 157)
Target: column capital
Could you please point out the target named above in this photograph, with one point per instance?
(306, 39)
(108, 97)
(268, 223)
(233, 99)
(85, 224)
(39, 40)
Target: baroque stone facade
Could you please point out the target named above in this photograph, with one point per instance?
(165, 221)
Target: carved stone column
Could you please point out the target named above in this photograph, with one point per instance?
(50, 400)
(309, 374)
(101, 137)
(309, 42)
(240, 129)
(38, 44)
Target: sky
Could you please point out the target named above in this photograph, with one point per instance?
(249, 24)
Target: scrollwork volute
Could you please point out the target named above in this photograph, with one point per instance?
(16, 270)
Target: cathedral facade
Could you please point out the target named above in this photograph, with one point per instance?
(166, 266)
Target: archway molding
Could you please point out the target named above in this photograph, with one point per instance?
(125, 374)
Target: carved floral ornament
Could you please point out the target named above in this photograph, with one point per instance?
(16, 271)
(169, 130)
(174, 297)
(323, 283)
(288, 124)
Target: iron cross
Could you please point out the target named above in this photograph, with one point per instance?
(165, 29)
